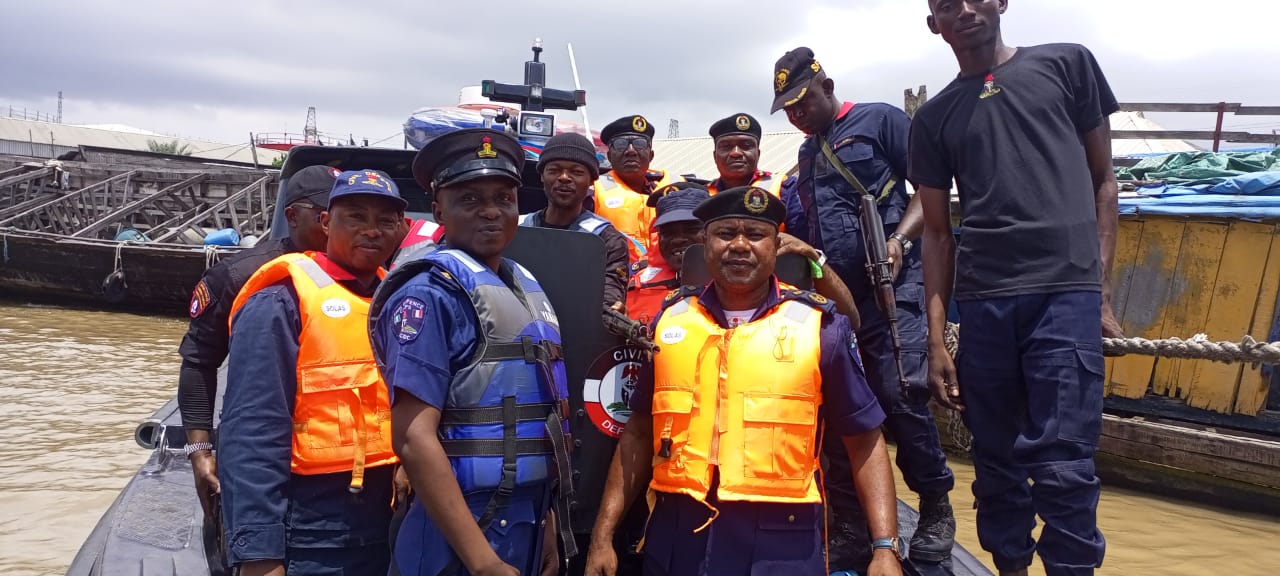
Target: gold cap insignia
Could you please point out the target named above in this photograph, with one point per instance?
(756, 200)
(780, 81)
(639, 124)
(486, 149)
(815, 66)
(743, 122)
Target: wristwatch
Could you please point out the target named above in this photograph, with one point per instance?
(906, 244)
(889, 544)
(190, 449)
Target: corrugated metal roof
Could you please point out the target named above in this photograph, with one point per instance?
(64, 135)
(1136, 121)
(778, 153)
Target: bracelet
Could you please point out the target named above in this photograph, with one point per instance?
(902, 239)
(815, 269)
(190, 449)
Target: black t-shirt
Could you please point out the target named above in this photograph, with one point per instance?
(1013, 142)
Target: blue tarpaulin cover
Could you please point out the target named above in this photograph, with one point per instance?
(1246, 195)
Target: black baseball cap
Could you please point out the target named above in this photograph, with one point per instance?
(792, 75)
(678, 204)
(311, 184)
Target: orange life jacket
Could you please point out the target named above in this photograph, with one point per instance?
(342, 412)
(647, 289)
(767, 180)
(626, 209)
(744, 400)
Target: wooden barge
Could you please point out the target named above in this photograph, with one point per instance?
(125, 235)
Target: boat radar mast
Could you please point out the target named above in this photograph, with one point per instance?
(534, 98)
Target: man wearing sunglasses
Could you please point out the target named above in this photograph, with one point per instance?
(621, 193)
(855, 150)
(737, 155)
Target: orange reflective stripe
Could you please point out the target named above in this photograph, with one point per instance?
(341, 407)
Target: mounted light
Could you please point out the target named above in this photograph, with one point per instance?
(535, 124)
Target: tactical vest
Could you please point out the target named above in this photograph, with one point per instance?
(341, 414)
(585, 222)
(626, 209)
(743, 400)
(505, 420)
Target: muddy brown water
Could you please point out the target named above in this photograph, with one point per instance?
(75, 383)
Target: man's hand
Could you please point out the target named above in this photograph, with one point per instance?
(550, 547)
(1110, 327)
(205, 468)
(616, 307)
(602, 560)
(942, 378)
(262, 568)
(894, 249)
(499, 569)
(403, 488)
(884, 563)
(788, 244)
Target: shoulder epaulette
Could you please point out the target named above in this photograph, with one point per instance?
(637, 266)
(679, 294)
(809, 298)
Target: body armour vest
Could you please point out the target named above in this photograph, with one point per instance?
(744, 400)
(342, 413)
(585, 222)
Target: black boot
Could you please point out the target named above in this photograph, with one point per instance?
(936, 531)
(847, 547)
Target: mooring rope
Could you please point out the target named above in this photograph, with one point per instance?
(118, 265)
(211, 256)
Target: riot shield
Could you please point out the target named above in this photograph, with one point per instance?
(602, 371)
(792, 269)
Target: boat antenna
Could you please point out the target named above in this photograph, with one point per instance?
(577, 85)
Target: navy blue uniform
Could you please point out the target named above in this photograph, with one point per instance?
(313, 523)
(754, 537)
(871, 141)
(423, 366)
(204, 347)
(1028, 289)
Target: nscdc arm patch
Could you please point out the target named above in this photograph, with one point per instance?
(408, 319)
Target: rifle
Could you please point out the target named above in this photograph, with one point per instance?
(881, 273)
(878, 267)
(633, 332)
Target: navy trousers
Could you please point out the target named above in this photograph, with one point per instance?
(1031, 371)
(920, 457)
(370, 560)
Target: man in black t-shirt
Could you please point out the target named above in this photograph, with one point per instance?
(1024, 134)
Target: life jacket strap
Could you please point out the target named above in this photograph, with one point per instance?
(494, 414)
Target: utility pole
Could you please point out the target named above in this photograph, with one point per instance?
(914, 102)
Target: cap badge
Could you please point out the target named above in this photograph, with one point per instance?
(639, 124)
(780, 81)
(486, 149)
(371, 178)
(756, 200)
(815, 66)
(742, 122)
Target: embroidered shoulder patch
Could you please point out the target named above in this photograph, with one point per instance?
(408, 319)
(200, 299)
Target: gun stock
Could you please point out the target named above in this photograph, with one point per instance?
(881, 272)
(633, 332)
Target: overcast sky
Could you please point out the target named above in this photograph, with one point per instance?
(221, 70)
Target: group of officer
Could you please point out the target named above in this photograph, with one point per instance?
(438, 391)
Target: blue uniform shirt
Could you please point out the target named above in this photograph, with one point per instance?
(266, 508)
(423, 366)
(869, 139)
(755, 537)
